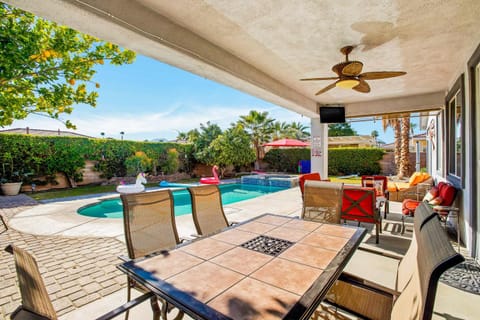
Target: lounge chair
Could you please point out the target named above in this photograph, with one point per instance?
(322, 201)
(36, 303)
(149, 223)
(359, 204)
(207, 209)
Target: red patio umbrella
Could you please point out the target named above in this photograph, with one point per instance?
(287, 143)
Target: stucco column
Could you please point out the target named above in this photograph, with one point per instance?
(319, 147)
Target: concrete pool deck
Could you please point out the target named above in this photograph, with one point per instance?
(60, 218)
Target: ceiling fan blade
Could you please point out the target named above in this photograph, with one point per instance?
(362, 87)
(381, 75)
(326, 78)
(353, 68)
(331, 86)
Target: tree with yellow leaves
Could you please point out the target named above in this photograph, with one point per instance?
(45, 68)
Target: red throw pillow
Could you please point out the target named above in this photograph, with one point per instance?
(432, 194)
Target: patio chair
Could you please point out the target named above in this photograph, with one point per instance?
(417, 185)
(441, 196)
(149, 224)
(380, 183)
(207, 209)
(36, 303)
(415, 298)
(309, 176)
(322, 201)
(359, 204)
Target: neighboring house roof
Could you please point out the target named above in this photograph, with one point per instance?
(364, 140)
(43, 132)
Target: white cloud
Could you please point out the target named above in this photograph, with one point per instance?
(164, 123)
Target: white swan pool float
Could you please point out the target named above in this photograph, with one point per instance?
(133, 188)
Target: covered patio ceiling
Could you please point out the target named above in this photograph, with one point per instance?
(265, 47)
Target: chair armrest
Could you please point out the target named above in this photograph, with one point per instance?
(130, 304)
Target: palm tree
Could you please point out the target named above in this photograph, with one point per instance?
(280, 130)
(404, 147)
(299, 131)
(394, 123)
(260, 128)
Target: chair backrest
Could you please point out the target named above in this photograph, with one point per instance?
(435, 254)
(35, 298)
(360, 204)
(149, 222)
(308, 176)
(379, 183)
(207, 209)
(423, 214)
(322, 201)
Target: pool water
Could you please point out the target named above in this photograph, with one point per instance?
(231, 193)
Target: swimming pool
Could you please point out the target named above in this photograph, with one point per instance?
(231, 193)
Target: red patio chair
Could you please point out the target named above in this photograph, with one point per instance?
(359, 204)
(380, 183)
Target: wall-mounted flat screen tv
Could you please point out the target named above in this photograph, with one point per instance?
(332, 114)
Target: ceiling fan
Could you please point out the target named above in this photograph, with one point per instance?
(349, 76)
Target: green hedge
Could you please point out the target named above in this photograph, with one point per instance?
(341, 161)
(362, 161)
(286, 160)
(45, 156)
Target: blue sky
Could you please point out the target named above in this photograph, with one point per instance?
(152, 100)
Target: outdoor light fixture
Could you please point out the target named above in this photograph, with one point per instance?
(347, 83)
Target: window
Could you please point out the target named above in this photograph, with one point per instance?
(455, 126)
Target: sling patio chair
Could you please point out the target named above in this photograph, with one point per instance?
(415, 298)
(207, 209)
(36, 303)
(309, 176)
(322, 201)
(359, 204)
(380, 184)
(149, 223)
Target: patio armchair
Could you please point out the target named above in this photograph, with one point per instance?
(380, 183)
(36, 303)
(440, 197)
(309, 176)
(322, 201)
(416, 277)
(207, 209)
(359, 204)
(149, 224)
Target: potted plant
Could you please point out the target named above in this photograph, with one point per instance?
(11, 178)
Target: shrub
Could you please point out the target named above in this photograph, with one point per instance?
(361, 161)
(286, 160)
(137, 163)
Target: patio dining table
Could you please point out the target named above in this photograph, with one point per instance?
(269, 267)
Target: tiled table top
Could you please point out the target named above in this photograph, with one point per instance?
(216, 278)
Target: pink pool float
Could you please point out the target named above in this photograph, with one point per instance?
(211, 180)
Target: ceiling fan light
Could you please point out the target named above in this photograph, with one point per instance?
(347, 83)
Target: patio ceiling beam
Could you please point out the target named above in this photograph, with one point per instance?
(407, 104)
(133, 26)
